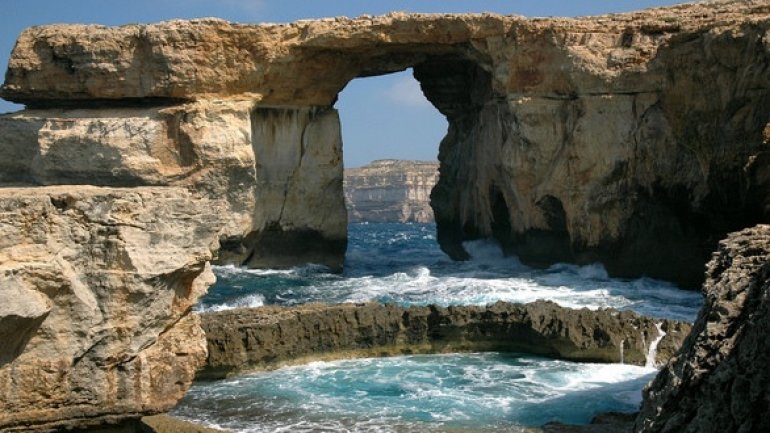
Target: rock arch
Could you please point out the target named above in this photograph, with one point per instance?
(639, 126)
(633, 139)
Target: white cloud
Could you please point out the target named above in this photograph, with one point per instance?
(406, 91)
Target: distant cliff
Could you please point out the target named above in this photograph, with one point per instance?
(390, 190)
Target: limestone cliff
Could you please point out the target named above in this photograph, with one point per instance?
(270, 165)
(720, 382)
(269, 337)
(628, 139)
(97, 285)
(390, 191)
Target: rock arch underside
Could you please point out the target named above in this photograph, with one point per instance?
(634, 140)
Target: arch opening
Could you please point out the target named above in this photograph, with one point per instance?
(460, 89)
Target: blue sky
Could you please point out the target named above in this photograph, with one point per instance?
(382, 117)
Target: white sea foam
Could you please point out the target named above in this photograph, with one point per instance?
(401, 264)
(248, 301)
(478, 284)
(652, 352)
(417, 393)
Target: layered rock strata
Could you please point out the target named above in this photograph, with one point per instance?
(390, 190)
(97, 287)
(268, 337)
(270, 166)
(622, 138)
(719, 381)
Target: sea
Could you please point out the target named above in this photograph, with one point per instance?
(469, 392)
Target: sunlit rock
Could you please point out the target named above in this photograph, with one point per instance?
(390, 191)
(97, 286)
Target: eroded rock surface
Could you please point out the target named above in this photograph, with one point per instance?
(100, 283)
(390, 190)
(270, 336)
(719, 381)
(270, 166)
(633, 139)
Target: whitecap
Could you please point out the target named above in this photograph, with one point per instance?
(248, 301)
(426, 393)
(393, 263)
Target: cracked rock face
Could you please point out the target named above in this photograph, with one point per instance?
(719, 381)
(269, 165)
(97, 287)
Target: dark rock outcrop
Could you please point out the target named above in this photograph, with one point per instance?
(611, 422)
(720, 380)
(269, 337)
(390, 190)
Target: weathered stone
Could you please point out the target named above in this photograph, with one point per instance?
(308, 62)
(279, 170)
(719, 381)
(270, 336)
(300, 211)
(390, 191)
(108, 278)
(645, 180)
(630, 139)
(206, 145)
(611, 422)
(21, 313)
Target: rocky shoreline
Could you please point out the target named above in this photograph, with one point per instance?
(719, 381)
(271, 336)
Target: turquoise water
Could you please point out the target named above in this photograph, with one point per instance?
(479, 392)
(402, 263)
